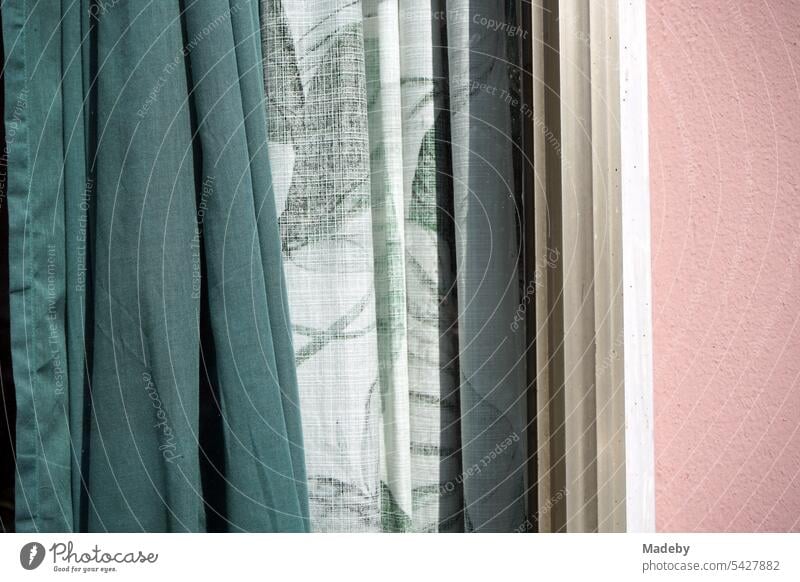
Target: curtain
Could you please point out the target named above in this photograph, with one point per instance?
(323, 265)
(396, 150)
(590, 329)
(7, 404)
(151, 346)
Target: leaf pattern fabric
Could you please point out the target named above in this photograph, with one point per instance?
(319, 146)
(398, 205)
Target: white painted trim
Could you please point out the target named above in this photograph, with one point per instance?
(636, 261)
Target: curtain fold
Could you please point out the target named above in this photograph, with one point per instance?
(140, 186)
(580, 333)
(7, 404)
(36, 272)
(488, 253)
(145, 336)
(381, 26)
(432, 306)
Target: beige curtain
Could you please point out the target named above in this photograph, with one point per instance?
(589, 332)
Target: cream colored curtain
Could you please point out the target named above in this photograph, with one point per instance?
(590, 327)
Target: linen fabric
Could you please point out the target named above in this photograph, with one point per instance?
(396, 161)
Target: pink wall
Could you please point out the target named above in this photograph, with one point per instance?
(725, 175)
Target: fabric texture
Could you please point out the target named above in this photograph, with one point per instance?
(145, 263)
(265, 265)
(393, 140)
(7, 404)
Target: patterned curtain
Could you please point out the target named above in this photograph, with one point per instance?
(329, 265)
(395, 146)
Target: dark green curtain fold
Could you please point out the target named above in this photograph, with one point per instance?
(7, 404)
(140, 212)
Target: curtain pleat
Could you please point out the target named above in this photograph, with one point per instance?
(576, 190)
(257, 385)
(577, 270)
(430, 271)
(381, 25)
(487, 218)
(7, 397)
(36, 267)
(145, 333)
(608, 315)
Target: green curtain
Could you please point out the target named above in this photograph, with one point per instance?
(394, 134)
(7, 404)
(151, 343)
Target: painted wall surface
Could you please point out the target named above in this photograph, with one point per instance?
(725, 179)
